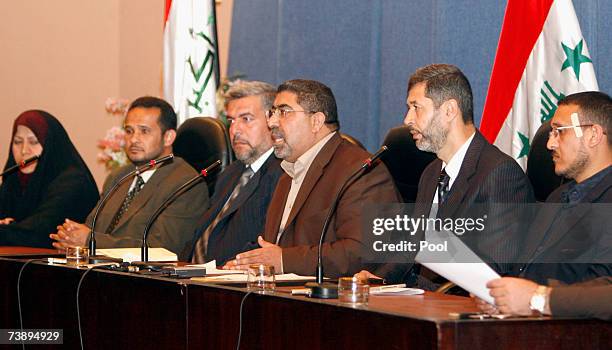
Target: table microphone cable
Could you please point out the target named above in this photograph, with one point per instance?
(240, 320)
(29, 261)
(77, 301)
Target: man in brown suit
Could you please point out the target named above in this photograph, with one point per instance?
(150, 127)
(317, 162)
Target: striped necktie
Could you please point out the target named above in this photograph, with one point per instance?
(126, 203)
(201, 247)
(443, 181)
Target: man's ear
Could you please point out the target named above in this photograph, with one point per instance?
(169, 137)
(317, 121)
(450, 109)
(596, 136)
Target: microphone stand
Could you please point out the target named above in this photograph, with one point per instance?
(93, 258)
(320, 289)
(144, 249)
(23, 164)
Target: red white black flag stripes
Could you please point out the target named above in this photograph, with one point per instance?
(541, 57)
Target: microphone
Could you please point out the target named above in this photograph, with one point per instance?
(319, 289)
(144, 249)
(102, 202)
(22, 164)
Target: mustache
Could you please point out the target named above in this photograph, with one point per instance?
(240, 140)
(276, 133)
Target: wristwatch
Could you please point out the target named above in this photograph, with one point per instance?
(538, 300)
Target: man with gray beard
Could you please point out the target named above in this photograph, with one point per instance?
(470, 178)
(244, 190)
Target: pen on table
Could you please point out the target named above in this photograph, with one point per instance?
(388, 286)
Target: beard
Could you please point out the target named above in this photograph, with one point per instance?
(282, 150)
(577, 166)
(145, 158)
(433, 136)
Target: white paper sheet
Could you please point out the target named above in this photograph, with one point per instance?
(395, 291)
(471, 276)
(133, 254)
(211, 269)
(242, 278)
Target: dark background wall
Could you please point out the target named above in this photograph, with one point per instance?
(366, 49)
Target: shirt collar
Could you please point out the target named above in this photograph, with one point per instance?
(257, 164)
(454, 164)
(297, 170)
(146, 175)
(576, 192)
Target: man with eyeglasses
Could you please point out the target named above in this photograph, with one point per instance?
(572, 241)
(317, 162)
(244, 189)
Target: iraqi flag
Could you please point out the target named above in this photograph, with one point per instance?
(541, 58)
(191, 63)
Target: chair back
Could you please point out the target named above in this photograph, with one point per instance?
(540, 167)
(201, 141)
(405, 161)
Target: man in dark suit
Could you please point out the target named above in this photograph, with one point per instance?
(150, 127)
(317, 162)
(571, 241)
(471, 178)
(234, 220)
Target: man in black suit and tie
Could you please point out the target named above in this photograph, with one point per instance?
(470, 178)
(571, 241)
(244, 189)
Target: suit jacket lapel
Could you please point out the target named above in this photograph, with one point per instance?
(112, 206)
(456, 197)
(427, 189)
(276, 208)
(313, 175)
(245, 193)
(146, 193)
(571, 216)
(537, 233)
(222, 193)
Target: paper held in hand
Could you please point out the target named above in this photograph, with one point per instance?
(471, 276)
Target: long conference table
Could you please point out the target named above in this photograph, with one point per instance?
(120, 310)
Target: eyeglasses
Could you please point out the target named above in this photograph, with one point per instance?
(282, 113)
(556, 131)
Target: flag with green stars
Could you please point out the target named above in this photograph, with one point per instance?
(541, 57)
(191, 65)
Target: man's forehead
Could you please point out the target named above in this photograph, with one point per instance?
(563, 114)
(248, 103)
(286, 98)
(142, 116)
(417, 94)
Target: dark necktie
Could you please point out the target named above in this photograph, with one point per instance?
(201, 248)
(443, 189)
(126, 203)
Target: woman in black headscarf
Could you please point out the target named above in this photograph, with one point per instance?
(36, 198)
